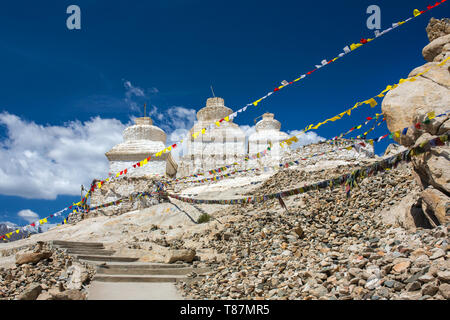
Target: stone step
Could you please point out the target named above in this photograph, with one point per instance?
(144, 265)
(67, 244)
(91, 252)
(149, 271)
(139, 278)
(106, 258)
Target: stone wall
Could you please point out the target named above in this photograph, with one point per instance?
(124, 188)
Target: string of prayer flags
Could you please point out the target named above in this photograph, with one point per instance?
(370, 101)
(348, 181)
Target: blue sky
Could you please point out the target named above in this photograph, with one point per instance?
(83, 86)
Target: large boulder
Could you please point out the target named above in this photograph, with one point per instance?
(32, 257)
(435, 48)
(438, 28)
(186, 255)
(438, 203)
(410, 103)
(30, 293)
(68, 295)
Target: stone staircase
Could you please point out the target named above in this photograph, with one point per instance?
(122, 270)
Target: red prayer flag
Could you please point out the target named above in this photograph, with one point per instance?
(417, 125)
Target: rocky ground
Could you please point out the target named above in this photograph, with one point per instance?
(45, 273)
(327, 247)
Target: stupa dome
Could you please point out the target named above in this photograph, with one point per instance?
(142, 140)
(268, 123)
(215, 110)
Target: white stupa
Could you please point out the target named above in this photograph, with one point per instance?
(142, 140)
(268, 133)
(217, 147)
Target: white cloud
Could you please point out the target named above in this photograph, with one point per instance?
(28, 215)
(305, 138)
(42, 162)
(135, 96)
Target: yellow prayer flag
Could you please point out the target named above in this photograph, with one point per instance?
(144, 162)
(353, 46)
(416, 13)
(257, 101)
(227, 118)
(349, 148)
(372, 102)
(431, 115)
(359, 127)
(397, 134)
(118, 173)
(17, 231)
(218, 123)
(387, 89)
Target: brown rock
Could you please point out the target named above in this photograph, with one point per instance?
(437, 28)
(32, 257)
(299, 231)
(444, 290)
(402, 266)
(432, 168)
(44, 296)
(30, 293)
(186, 255)
(436, 202)
(435, 47)
(69, 295)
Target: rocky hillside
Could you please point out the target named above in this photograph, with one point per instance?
(327, 247)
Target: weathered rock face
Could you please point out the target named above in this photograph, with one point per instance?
(411, 102)
(438, 28)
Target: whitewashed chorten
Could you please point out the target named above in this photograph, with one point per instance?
(268, 133)
(142, 140)
(220, 146)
